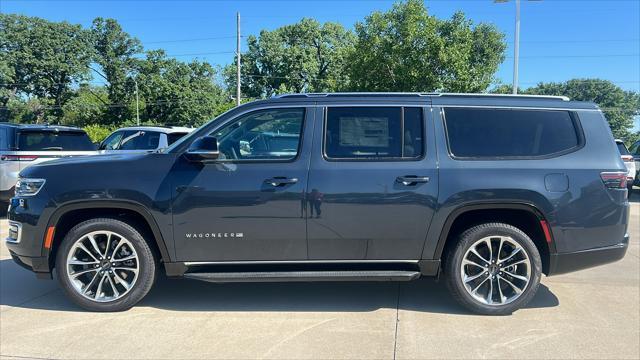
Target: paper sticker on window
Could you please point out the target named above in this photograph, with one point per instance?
(364, 131)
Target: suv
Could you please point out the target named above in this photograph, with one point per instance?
(489, 191)
(142, 139)
(26, 145)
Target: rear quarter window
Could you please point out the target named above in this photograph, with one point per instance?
(510, 133)
(54, 141)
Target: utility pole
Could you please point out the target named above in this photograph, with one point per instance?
(238, 59)
(516, 49)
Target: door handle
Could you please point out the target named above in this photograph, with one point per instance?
(412, 180)
(280, 181)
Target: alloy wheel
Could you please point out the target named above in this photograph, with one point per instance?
(102, 266)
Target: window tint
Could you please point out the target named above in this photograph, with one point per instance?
(54, 141)
(173, 137)
(262, 135)
(509, 132)
(140, 140)
(112, 142)
(373, 133)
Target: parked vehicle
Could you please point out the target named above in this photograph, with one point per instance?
(635, 152)
(628, 160)
(25, 145)
(142, 139)
(489, 191)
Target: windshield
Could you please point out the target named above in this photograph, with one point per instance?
(54, 141)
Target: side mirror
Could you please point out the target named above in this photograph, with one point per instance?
(203, 149)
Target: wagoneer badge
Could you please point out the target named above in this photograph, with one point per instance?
(213, 235)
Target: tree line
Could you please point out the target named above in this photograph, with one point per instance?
(62, 73)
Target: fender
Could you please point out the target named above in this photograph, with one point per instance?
(114, 204)
(444, 233)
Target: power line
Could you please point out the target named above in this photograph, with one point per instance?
(189, 39)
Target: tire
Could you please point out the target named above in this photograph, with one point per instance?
(133, 265)
(522, 263)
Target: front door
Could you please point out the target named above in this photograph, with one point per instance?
(372, 183)
(247, 205)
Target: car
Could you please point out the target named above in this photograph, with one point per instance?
(628, 162)
(24, 145)
(488, 192)
(635, 151)
(138, 139)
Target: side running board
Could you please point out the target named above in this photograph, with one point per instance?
(275, 276)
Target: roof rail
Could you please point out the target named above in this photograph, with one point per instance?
(554, 97)
(415, 94)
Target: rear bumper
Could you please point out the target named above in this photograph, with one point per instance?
(568, 262)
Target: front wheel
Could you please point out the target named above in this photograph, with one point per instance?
(105, 264)
(494, 269)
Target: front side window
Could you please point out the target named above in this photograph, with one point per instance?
(140, 140)
(509, 133)
(272, 134)
(374, 133)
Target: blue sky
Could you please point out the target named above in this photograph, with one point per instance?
(560, 40)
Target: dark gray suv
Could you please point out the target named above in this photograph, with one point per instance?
(489, 191)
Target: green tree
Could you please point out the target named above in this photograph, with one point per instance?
(302, 57)
(114, 53)
(619, 106)
(177, 93)
(406, 49)
(87, 106)
(42, 59)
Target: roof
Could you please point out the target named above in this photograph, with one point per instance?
(41, 127)
(161, 129)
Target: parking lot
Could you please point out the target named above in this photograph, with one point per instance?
(590, 314)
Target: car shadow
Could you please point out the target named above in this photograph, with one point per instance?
(19, 288)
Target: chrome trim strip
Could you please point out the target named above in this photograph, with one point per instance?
(195, 263)
(524, 107)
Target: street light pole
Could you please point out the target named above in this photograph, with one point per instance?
(516, 49)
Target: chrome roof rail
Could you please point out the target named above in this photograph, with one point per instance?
(418, 94)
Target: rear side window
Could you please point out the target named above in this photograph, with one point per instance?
(509, 133)
(140, 140)
(374, 133)
(54, 141)
(623, 149)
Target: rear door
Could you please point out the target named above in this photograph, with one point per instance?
(373, 183)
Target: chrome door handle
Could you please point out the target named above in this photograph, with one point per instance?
(412, 180)
(280, 181)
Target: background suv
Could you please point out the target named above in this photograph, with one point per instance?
(629, 162)
(142, 139)
(26, 145)
(489, 191)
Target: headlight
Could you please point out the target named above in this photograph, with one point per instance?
(29, 187)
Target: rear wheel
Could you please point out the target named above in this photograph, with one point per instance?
(494, 269)
(105, 264)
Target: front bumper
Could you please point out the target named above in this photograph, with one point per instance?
(39, 265)
(574, 261)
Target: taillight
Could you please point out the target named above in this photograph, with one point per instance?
(627, 158)
(18, 157)
(614, 180)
